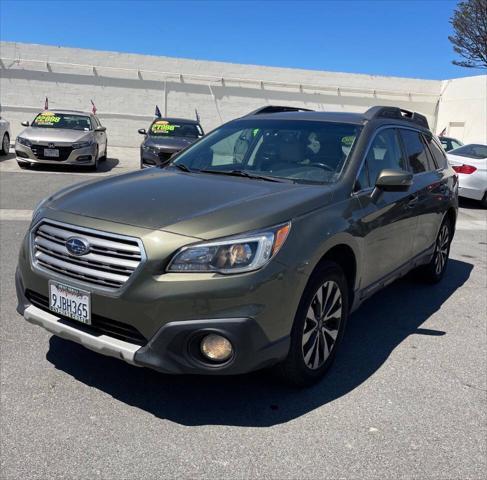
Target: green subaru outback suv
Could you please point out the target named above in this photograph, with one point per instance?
(250, 249)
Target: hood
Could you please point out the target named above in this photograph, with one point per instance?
(168, 143)
(199, 205)
(56, 135)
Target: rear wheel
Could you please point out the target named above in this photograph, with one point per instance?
(5, 148)
(483, 202)
(433, 272)
(318, 327)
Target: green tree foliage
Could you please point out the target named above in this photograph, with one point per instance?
(469, 22)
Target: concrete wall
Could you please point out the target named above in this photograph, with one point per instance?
(126, 88)
(463, 109)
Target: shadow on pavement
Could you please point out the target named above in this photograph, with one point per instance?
(469, 203)
(9, 156)
(260, 399)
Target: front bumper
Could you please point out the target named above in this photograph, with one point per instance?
(171, 350)
(79, 156)
(165, 310)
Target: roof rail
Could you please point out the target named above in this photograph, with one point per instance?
(277, 109)
(398, 114)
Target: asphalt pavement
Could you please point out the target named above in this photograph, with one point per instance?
(405, 399)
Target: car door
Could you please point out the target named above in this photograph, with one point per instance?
(429, 189)
(386, 220)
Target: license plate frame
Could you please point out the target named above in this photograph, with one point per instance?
(51, 152)
(76, 304)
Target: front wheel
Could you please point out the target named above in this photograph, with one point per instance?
(318, 326)
(5, 147)
(433, 272)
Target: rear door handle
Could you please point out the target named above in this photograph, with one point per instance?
(413, 200)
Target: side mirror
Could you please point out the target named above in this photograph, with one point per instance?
(100, 129)
(142, 131)
(25, 124)
(390, 180)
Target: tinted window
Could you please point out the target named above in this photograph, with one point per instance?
(303, 151)
(384, 152)
(437, 152)
(416, 151)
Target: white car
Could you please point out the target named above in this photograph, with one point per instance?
(4, 136)
(470, 163)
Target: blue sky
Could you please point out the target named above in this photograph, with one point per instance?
(380, 37)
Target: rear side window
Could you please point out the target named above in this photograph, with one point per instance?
(416, 151)
(384, 152)
(437, 152)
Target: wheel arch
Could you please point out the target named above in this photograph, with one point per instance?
(345, 257)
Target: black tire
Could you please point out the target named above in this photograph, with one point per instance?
(296, 369)
(483, 202)
(434, 271)
(5, 147)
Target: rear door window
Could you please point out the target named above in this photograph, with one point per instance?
(437, 152)
(417, 153)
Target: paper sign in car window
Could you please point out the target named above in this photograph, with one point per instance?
(163, 126)
(47, 118)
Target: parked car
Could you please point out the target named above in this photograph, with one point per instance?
(62, 137)
(233, 259)
(5, 136)
(449, 143)
(470, 163)
(165, 137)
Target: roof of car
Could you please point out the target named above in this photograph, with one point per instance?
(385, 114)
(175, 120)
(355, 118)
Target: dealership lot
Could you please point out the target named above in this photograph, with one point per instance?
(406, 397)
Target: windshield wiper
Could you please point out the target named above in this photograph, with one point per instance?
(245, 174)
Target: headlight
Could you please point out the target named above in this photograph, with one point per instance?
(232, 255)
(88, 143)
(150, 149)
(24, 141)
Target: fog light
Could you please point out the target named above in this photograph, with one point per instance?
(216, 348)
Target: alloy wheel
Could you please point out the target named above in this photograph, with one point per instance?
(322, 324)
(442, 244)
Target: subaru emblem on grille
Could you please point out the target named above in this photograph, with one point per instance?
(51, 145)
(77, 246)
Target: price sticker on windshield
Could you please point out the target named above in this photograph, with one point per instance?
(163, 126)
(47, 118)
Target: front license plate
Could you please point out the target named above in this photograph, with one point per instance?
(51, 152)
(70, 302)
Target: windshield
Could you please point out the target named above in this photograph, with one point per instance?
(62, 120)
(167, 128)
(471, 151)
(301, 151)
